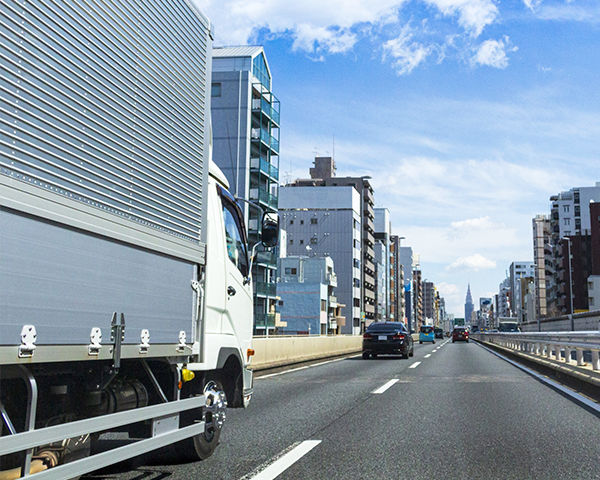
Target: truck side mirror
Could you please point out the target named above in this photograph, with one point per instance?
(270, 229)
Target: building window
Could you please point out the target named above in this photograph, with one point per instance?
(567, 221)
(356, 244)
(301, 222)
(313, 240)
(356, 263)
(357, 282)
(294, 271)
(301, 242)
(357, 302)
(291, 222)
(566, 208)
(291, 241)
(576, 197)
(288, 271)
(313, 221)
(215, 90)
(577, 211)
(323, 305)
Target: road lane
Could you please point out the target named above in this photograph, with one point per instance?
(462, 413)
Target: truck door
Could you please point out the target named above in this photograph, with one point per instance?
(238, 318)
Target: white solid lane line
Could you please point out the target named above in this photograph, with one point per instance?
(383, 388)
(427, 356)
(305, 367)
(415, 365)
(285, 462)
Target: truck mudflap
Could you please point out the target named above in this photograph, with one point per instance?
(165, 431)
(248, 386)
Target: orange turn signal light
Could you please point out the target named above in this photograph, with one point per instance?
(250, 352)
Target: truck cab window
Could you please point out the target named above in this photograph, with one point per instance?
(234, 236)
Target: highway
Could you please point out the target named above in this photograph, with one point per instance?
(453, 411)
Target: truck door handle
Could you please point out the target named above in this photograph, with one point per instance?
(230, 291)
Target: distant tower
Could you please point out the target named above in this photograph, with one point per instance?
(468, 305)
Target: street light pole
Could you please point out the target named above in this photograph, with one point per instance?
(570, 283)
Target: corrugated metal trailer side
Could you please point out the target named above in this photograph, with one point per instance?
(104, 133)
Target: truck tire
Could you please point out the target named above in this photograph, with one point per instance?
(203, 445)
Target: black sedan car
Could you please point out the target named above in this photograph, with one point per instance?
(387, 338)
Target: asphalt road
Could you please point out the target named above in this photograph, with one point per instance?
(452, 411)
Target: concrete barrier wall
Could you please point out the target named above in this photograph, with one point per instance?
(279, 351)
(583, 322)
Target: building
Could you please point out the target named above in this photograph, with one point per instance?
(504, 299)
(469, 307)
(542, 259)
(307, 300)
(325, 222)
(397, 303)
(570, 216)
(417, 299)
(521, 274)
(245, 125)
(407, 265)
(594, 292)
(323, 175)
(429, 303)
(383, 234)
(572, 273)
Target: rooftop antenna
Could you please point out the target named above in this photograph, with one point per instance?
(333, 144)
(316, 152)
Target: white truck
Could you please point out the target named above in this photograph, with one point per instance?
(125, 284)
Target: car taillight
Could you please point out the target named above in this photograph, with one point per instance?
(367, 336)
(398, 337)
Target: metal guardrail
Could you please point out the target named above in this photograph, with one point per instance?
(550, 345)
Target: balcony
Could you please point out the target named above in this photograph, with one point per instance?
(267, 259)
(258, 164)
(369, 308)
(332, 279)
(369, 294)
(332, 300)
(262, 320)
(369, 266)
(368, 237)
(368, 211)
(266, 289)
(369, 224)
(370, 252)
(261, 105)
(260, 134)
(369, 280)
(263, 196)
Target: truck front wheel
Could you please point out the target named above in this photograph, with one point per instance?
(214, 418)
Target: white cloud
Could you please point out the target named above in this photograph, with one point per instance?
(460, 229)
(493, 53)
(315, 39)
(406, 54)
(473, 15)
(474, 262)
(532, 4)
(312, 24)
(336, 26)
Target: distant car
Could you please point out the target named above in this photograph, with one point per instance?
(439, 333)
(460, 333)
(387, 338)
(426, 334)
(474, 328)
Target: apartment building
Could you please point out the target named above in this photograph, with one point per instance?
(324, 175)
(326, 222)
(245, 124)
(542, 259)
(307, 299)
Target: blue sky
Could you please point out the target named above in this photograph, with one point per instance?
(467, 114)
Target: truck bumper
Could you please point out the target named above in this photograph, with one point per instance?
(248, 386)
